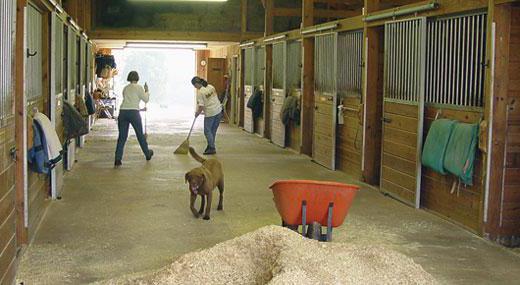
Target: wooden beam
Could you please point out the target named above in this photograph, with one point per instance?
(497, 91)
(243, 16)
(372, 5)
(307, 114)
(20, 117)
(318, 13)
(269, 18)
(122, 34)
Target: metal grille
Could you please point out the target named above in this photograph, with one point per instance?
(278, 65)
(259, 65)
(58, 54)
(350, 61)
(82, 62)
(7, 33)
(248, 66)
(324, 63)
(71, 65)
(456, 51)
(34, 41)
(294, 64)
(403, 59)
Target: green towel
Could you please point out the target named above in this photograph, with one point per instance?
(460, 154)
(435, 145)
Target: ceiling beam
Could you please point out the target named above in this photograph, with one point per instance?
(318, 13)
(121, 34)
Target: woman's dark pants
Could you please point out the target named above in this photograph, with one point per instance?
(127, 117)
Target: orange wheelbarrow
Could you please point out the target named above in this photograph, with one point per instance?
(312, 204)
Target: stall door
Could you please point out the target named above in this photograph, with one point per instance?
(403, 109)
(324, 137)
(248, 89)
(7, 144)
(278, 93)
(56, 100)
(235, 99)
(72, 82)
(259, 75)
(350, 125)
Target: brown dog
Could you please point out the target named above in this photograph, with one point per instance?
(202, 181)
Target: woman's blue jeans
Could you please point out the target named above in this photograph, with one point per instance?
(210, 130)
(127, 117)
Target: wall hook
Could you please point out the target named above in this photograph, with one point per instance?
(29, 54)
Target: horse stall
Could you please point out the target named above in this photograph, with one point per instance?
(259, 83)
(36, 186)
(325, 96)
(56, 100)
(72, 82)
(248, 88)
(454, 89)
(293, 85)
(278, 93)
(350, 137)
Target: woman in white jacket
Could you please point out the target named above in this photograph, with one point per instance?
(133, 94)
(208, 102)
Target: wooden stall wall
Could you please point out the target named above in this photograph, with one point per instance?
(512, 172)
(461, 98)
(7, 144)
(503, 215)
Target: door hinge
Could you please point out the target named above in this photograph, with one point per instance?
(12, 153)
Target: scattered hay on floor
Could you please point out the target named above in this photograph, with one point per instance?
(275, 255)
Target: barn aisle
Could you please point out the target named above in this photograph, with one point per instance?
(112, 222)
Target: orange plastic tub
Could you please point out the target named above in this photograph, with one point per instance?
(290, 194)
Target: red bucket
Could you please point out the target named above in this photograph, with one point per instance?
(289, 195)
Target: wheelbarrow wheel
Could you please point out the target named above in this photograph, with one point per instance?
(314, 231)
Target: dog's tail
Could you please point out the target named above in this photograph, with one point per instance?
(195, 155)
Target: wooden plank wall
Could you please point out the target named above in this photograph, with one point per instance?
(7, 204)
(464, 207)
(511, 211)
(350, 139)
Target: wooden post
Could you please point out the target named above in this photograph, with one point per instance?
(497, 92)
(241, 64)
(307, 113)
(243, 15)
(373, 99)
(20, 117)
(269, 5)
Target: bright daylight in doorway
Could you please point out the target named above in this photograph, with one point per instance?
(167, 72)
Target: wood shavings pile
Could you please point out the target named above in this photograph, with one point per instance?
(275, 255)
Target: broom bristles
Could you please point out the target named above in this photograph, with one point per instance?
(183, 148)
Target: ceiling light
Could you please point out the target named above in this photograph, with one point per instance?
(280, 37)
(166, 45)
(177, 0)
(319, 28)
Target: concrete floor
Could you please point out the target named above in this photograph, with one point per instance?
(112, 222)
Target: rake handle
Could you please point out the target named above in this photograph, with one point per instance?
(191, 129)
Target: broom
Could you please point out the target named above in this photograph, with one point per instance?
(185, 146)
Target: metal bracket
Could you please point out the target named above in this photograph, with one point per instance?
(304, 217)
